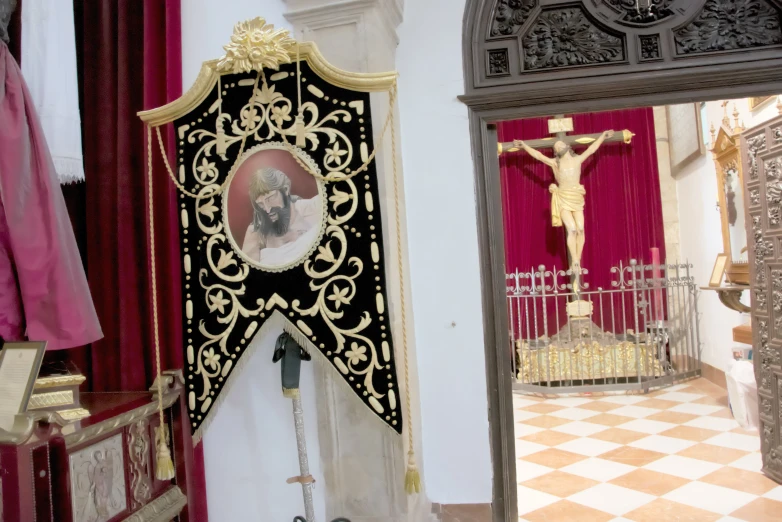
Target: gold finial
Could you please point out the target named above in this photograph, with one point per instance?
(725, 118)
(736, 125)
(713, 132)
(254, 45)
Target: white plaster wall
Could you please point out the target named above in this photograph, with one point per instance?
(250, 445)
(207, 26)
(443, 250)
(701, 236)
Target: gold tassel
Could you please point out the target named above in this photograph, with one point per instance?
(164, 470)
(412, 477)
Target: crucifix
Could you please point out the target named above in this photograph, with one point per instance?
(567, 194)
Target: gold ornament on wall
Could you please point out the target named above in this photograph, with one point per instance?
(255, 45)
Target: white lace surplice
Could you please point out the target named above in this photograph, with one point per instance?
(49, 68)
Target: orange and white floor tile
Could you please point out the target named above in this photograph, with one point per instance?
(673, 455)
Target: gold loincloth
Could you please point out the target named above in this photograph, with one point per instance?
(565, 199)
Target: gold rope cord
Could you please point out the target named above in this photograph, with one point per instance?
(238, 158)
(164, 470)
(412, 476)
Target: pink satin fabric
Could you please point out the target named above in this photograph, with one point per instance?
(43, 289)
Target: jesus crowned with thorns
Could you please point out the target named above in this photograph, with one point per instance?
(284, 225)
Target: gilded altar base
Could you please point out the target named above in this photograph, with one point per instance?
(586, 360)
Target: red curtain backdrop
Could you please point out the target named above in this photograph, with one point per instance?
(130, 59)
(623, 214)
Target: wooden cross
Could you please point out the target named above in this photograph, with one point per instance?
(559, 127)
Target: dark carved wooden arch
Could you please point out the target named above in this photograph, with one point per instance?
(527, 58)
(547, 45)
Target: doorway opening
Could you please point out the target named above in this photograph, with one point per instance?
(616, 393)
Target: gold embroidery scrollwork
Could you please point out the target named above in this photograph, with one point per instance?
(333, 271)
(334, 291)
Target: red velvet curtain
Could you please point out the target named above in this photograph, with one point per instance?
(130, 59)
(15, 33)
(623, 214)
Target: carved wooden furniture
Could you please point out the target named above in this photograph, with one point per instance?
(98, 469)
(730, 296)
(761, 156)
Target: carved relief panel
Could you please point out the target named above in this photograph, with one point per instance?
(762, 160)
(138, 441)
(98, 481)
(535, 41)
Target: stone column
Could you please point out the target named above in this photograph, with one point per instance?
(668, 195)
(364, 462)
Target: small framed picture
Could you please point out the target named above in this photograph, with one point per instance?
(19, 366)
(719, 270)
(757, 101)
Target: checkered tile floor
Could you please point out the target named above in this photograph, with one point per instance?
(672, 455)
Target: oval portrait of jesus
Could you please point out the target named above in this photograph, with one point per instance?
(274, 210)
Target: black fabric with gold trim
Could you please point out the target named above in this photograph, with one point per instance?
(335, 301)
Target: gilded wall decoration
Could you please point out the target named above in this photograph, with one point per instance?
(566, 37)
(98, 481)
(281, 247)
(510, 15)
(724, 25)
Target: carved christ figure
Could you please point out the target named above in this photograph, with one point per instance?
(567, 194)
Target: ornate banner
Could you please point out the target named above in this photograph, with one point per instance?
(264, 242)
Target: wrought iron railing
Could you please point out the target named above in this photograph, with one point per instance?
(639, 332)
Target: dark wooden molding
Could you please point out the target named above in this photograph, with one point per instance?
(462, 512)
(641, 80)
